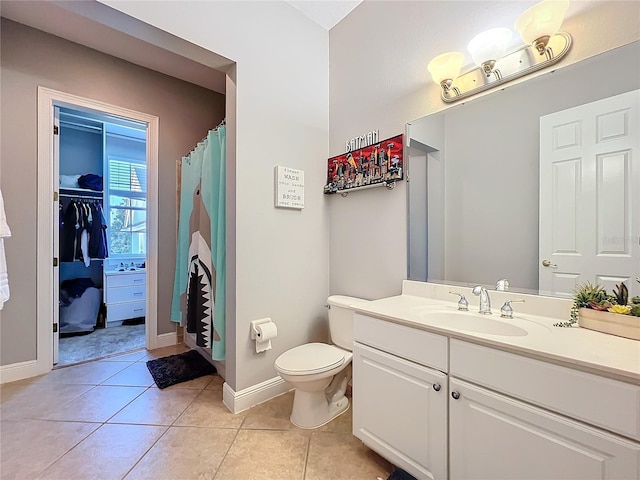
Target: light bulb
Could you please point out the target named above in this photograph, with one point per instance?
(445, 68)
(488, 47)
(540, 22)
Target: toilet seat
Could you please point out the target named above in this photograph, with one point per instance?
(309, 359)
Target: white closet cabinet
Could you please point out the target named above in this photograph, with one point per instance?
(125, 295)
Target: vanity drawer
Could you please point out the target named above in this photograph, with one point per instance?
(600, 401)
(125, 294)
(123, 311)
(422, 347)
(125, 279)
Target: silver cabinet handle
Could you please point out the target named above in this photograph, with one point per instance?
(547, 263)
(436, 387)
(455, 395)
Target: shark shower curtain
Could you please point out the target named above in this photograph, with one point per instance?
(199, 283)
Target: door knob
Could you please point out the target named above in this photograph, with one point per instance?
(455, 395)
(547, 263)
(436, 387)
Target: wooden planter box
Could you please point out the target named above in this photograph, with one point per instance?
(626, 326)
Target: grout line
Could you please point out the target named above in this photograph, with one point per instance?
(224, 457)
(70, 449)
(166, 429)
(306, 458)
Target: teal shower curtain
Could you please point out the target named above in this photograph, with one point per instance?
(199, 283)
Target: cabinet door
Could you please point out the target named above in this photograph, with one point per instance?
(494, 437)
(400, 411)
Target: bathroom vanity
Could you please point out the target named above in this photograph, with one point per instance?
(444, 394)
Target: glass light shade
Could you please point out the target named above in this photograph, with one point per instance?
(489, 45)
(543, 19)
(446, 66)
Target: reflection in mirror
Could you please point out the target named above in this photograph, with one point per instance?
(473, 194)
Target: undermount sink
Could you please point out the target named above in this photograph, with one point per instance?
(474, 322)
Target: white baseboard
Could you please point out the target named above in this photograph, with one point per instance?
(166, 340)
(249, 397)
(19, 371)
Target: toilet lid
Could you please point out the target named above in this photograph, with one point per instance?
(310, 358)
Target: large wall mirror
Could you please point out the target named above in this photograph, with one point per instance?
(474, 177)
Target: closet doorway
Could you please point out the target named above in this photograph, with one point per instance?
(99, 164)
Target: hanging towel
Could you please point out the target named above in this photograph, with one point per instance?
(4, 233)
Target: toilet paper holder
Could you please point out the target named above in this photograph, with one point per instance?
(254, 326)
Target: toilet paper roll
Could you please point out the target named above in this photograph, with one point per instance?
(264, 333)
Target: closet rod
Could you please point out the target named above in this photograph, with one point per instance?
(89, 197)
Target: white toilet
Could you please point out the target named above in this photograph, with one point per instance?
(320, 372)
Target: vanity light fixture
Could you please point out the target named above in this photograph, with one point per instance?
(544, 45)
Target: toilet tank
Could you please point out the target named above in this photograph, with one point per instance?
(341, 320)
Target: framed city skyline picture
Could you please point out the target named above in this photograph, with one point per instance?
(381, 162)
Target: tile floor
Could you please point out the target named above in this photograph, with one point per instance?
(107, 420)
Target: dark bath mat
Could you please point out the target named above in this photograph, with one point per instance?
(167, 371)
(399, 474)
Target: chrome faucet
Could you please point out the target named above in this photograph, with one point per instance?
(506, 311)
(463, 304)
(502, 285)
(485, 302)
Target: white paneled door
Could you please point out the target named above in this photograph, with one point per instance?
(590, 196)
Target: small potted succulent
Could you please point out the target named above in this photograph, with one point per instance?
(615, 313)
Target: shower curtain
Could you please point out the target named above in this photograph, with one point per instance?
(199, 284)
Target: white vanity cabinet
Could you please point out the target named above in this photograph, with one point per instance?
(442, 407)
(400, 399)
(526, 426)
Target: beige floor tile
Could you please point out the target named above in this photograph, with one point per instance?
(271, 415)
(29, 446)
(128, 357)
(36, 400)
(156, 407)
(185, 453)
(92, 373)
(207, 410)
(108, 453)
(97, 405)
(343, 456)
(216, 383)
(135, 375)
(166, 351)
(266, 455)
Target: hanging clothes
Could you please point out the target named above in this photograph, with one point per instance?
(199, 282)
(5, 232)
(83, 232)
(98, 233)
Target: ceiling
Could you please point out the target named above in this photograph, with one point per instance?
(325, 13)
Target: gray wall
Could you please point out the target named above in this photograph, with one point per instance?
(30, 58)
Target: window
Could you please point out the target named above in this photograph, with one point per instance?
(126, 202)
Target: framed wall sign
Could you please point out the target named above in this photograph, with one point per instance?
(289, 187)
(367, 166)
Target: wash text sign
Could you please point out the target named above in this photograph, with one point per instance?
(289, 187)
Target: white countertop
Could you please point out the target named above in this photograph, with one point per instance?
(588, 350)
